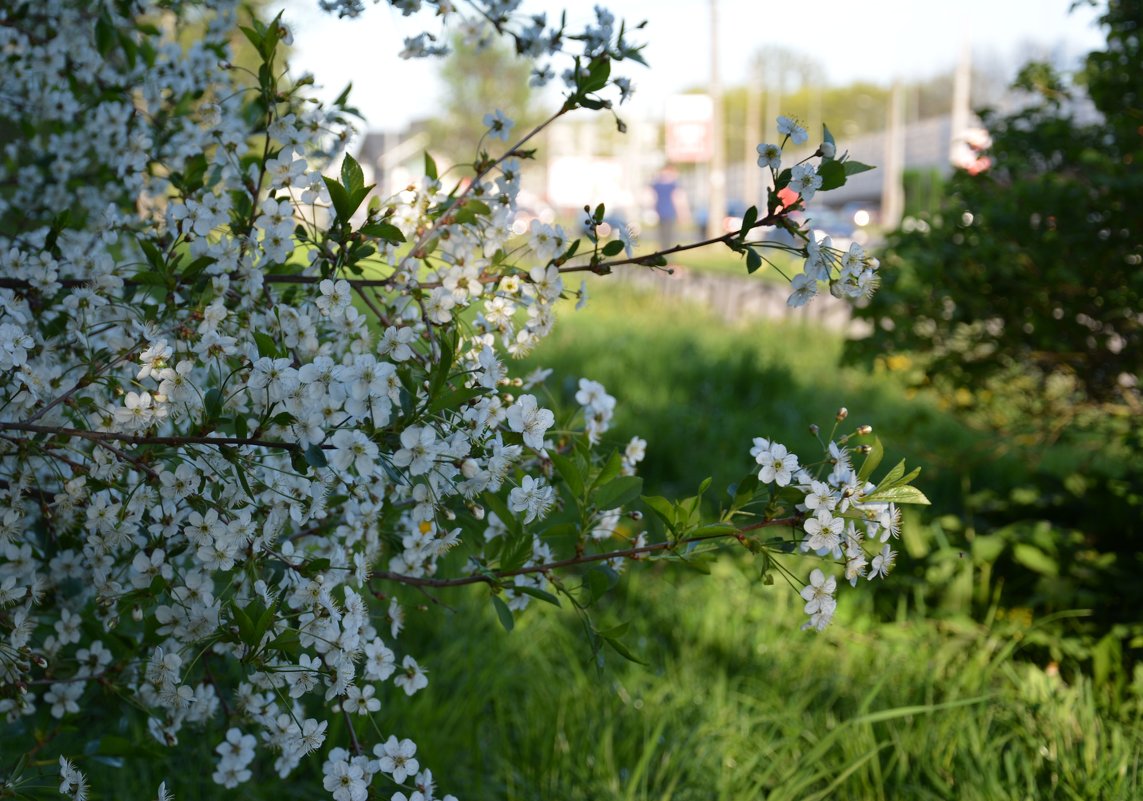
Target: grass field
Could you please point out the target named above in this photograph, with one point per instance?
(699, 389)
(736, 702)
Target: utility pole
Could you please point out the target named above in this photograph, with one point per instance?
(961, 104)
(751, 178)
(892, 183)
(717, 208)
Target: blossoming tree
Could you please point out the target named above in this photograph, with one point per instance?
(244, 402)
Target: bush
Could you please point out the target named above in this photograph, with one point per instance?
(1023, 295)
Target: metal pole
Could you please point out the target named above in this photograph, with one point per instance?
(717, 207)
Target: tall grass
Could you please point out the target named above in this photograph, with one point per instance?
(699, 388)
(736, 702)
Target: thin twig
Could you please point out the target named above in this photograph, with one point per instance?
(104, 436)
(630, 553)
(86, 380)
(476, 179)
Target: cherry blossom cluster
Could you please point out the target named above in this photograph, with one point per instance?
(840, 518)
(532, 37)
(849, 274)
(248, 403)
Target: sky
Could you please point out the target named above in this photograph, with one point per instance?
(873, 40)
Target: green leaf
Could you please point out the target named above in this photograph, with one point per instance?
(714, 529)
(598, 71)
(254, 36)
(212, 404)
(539, 594)
(457, 398)
(612, 468)
(266, 344)
(1034, 559)
(315, 457)
(598, 580)
(516, 551)
(753, 261)
(893, 476)
(470, 211)
(244, 623)
(783, 179)
(871, 461)
(613, 248)
(855, 167)
(193, 270)
(104, 34)
(339, 198)
(503, 613)
(150, 278)
(430, 167)
(662, 508)
(311, 567)
(273, 33)
(827, 137)
(622, 649)
(569, 470)
(832, 174)
(743, 492)
(283, 419)
(496, 504)
(352, 177)
(288, 642)
(748, 220)
(618, 492)
(385, 231)
(241, 474)
(898, 494)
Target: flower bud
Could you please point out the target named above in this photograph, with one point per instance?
(864, 430)
(842, 413)
(814, 429)
(39, 661)
(635, 514)
(477, 512)
(827, 150)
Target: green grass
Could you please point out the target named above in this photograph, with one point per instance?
(736, 702)
(699, 389)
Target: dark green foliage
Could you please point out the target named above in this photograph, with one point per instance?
(1036, 262)
(1021, 302)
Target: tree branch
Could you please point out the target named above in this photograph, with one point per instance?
(495, 577)
(113, 436)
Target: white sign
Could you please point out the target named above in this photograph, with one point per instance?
(690, 128)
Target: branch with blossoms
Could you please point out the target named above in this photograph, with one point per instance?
(495, 577)
(213, 458)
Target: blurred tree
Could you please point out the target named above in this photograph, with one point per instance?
(480, 77)
(1036, 261)
(1024, 301)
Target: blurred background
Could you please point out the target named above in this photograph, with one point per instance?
(1001, 658)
